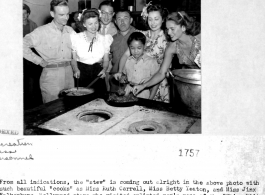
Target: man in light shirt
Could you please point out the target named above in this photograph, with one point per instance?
(52, 42)
(107, 27)
(107, 13)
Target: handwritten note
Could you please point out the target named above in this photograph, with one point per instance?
(10, 150)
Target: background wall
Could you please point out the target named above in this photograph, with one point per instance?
(40, 9)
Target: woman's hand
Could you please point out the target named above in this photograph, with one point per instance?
(77, 73)
(137, 89)
(117, 76)
(128, 89)
(102, 73)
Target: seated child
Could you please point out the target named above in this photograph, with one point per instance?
(139, 67)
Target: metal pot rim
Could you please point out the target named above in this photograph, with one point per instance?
(188, 75)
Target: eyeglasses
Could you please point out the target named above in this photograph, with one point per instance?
(107, 13)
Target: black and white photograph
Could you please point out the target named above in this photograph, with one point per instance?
(124, 79)
(111, 67)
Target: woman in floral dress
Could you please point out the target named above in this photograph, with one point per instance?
(185, 43)
(155, 47)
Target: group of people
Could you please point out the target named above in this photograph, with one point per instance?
(110, 49)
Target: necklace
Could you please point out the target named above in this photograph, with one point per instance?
(91, 43)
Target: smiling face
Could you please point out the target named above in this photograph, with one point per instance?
(155, 20)
(60, 15)
(136, 49)
(92, 25)
(107, 13)
(123, 21)
(174, 31)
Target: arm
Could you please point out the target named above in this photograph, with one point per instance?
(29, 41)
(102, 73)
(161, 74)
(74, 65)
(122, 64)
(153, 91)
(123, 59)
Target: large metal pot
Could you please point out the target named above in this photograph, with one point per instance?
(187, 91)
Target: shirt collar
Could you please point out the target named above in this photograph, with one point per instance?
(65, 29)
(143, 57)
(106, 26)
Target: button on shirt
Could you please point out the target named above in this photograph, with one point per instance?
(140, 70)
(53, 45)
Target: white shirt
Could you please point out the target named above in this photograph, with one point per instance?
(80, 45)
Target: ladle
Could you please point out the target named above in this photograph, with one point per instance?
(90, 84)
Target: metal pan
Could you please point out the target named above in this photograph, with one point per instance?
(74, 92)
(114, 103)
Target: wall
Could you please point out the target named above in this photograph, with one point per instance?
(40, 9)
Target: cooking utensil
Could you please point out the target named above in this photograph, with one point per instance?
(187, 91)
(77, 83)
(90, 84)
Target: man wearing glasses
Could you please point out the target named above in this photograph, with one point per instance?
(107, 27)
(107, 13)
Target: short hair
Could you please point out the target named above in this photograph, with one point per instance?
(26, 7)
(55, 3)
(108, 3)
(181, 18)
(90, 13)
(136, 36)
(123, 10)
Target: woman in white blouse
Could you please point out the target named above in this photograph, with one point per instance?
(89, 50)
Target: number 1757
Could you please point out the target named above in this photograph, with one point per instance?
(188, 152)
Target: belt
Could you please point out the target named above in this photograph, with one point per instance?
(57, 65)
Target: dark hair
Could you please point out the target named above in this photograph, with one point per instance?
(90, 13)
(163, 12)
(26, 7)
(136, 36)
(55, 3)
(108, 3)
(181, 18)
(123, 10)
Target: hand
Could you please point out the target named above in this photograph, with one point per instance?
(77, 73)
(137, 89)
(102, 73)
(43, 63)
(128, 89)
(123, 79)
(117, 76)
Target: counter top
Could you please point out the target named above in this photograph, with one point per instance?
(39, 115)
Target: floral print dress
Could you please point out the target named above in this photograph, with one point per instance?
(156, 49)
